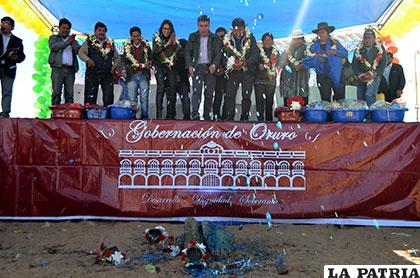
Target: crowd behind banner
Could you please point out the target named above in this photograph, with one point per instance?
(217, 63)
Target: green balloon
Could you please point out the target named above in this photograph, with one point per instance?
(41, 99)
(43, 43)
(37, 76)
(38, 66)
(38, 54)
(42, 115)
(38, 88)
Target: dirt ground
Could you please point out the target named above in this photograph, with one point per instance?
(60, 249)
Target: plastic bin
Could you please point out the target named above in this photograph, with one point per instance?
(287, 115)
(117, 112)
(348, 115)
(96, 114)
(383, 115)
(313, 115)
(66, 113)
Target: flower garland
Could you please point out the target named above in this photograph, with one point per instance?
(235, 57)
(130, 57)
(364, 61)
(110, 255)
(191, 262)
(169, 61)
(98, 47)
(295, 102)
(269, 63)
(156, 235)
(293, 61)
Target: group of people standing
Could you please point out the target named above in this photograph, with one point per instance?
(217, 63)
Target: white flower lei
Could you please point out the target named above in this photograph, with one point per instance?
(98, 47)
(378, 58)
(165, 60)
(292, 59)
(232, 52)
(272, 70)
(134, 63)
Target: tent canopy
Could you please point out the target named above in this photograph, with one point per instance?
(276, 16)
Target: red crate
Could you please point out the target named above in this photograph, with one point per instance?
(66, 113)
(284, 114)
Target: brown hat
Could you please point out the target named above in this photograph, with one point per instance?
(323, 26)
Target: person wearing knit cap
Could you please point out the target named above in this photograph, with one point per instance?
(242, 57)
(326, 56)
(369, 62)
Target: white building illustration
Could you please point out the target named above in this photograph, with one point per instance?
(212, 167)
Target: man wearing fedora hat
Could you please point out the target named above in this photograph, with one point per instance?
(369, 62)
(326, 56)
(294, 78)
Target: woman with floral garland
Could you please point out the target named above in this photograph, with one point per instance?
(326, 56)
(294, 78)
(101, 58)
(137, 59)
(369, 62)
(265, 78)
(165, 46)
(242, 57)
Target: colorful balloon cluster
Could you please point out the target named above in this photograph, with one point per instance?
(404, 20)
(42, 78)
(25, 13)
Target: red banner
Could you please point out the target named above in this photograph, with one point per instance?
(175, 169)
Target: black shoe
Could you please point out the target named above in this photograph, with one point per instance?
(159, 116)
(244, 117)
(196, 117)
(187, 117)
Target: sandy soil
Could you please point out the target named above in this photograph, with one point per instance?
(59, 249)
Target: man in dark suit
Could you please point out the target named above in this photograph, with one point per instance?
(11, 53)
(183, 80)
(63, 62)
(393, 80)
(242, 58)
(219, 111)
(202, 58)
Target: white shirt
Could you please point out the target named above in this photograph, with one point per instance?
(67, 54)
(6, 39)
(203, 57)
(387, 71)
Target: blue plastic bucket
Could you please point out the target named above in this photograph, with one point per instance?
(348, 115)
(382, 115)
(315, 115)
(120, 112)
(96, 114)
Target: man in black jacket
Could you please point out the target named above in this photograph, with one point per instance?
(393, 80)
(219, 112)
(202, 58)
(183, 80)
(101, 58)
(242, 54)
(63, 62)
(11, 53)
